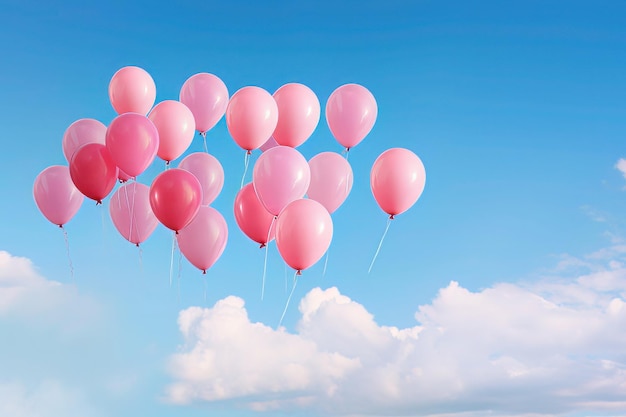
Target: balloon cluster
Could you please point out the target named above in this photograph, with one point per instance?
(272, 206)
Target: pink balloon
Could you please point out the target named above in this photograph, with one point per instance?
(298, 114)
(122, 176)
(133, 141)
(56, 196)
(203, 241)
(132, 89)
(252, 218)
(397, 180)
(175, 197)
(93, 171)
(81, 132)
(280, 176)
(251, 117)
(131, 212)
(269, 144)
(208, 171)
(351, 112)
(207, 97)
(331, 180)
(304, 231)
(176, 126)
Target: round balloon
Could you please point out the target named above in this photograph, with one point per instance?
(175, 198)
(331, 180)
(207, 97)
(208, 171)
(131, 212)
(298, 114)
(397, 180)
(133, 141)
(93, 171)
(251, 117)
(252, 218)
(176, 127)
(56, 196)
(81, 132)
(351, 112)
(132, 89)
(202, 242)
(304, 231)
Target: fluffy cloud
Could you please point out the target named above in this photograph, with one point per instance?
(621, 166)
(548, 347)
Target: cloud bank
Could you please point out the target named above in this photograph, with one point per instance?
(547, 348)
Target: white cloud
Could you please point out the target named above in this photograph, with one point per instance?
(543, 348)
(621, 166)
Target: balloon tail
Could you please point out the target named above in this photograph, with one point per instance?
(295, 281)
(205, 286)
(347, 153)
(246, 163)
(67, 251)
(269, 233)
(206, 148)
(180, 274)
(325, 263)
(380, 244)
(172, 258)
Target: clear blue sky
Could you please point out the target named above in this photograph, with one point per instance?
(505, 282)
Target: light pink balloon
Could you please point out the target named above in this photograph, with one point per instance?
(56, 196)
(351, 112)
(269, 144)
(397, 180)
(133, 141)
(208, 170)
(132, 89)
(81, 132)
(251, 117)
(131, 212)
(298, 114)
(176, 126)
(280, 176)
(207, 97)
(331, 180)
(252, 218)
(304, 231)
(175, 197)
(203, 241)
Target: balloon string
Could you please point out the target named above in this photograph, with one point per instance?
(380, 244)
(267, 242)
(295, 281)
(286, 283)
(180, 274)
(67, 250)
(206, 148)
(172, 257)
(246, 162)
(325, 263)
(204, 279)
(140, 250)
(132, 214)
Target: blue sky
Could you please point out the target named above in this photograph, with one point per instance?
(501, 292)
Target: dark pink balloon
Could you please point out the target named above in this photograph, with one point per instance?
(131, 212)
(351, 112)
(203, 240)
(133, 141)
(175, 198)
(252, 218)
(81, 132)
(56, 196)
(298, 114)
(132, 89)
(208, 171)
(93, 171)
(207, 97)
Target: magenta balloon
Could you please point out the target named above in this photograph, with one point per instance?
(81, 132)
(175, 198)
(251, 117)
(304, 231)
(131, 212)
(298, 114)
(397, 180)
(56, 196)
(93, 171)
(208, 170)
(280, 176)
(176, 126)
(351, 112)
(331, 180)
(269, 144)
(252, 218)
(207, 97)
(132, 89)
(133, 141)
(203, 241)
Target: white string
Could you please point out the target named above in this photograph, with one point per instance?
(295, 281)
(246, 162)
(267, 242)
(325, 263)
(203, 134)
(172, 257)
(380, 244)
(67, 250)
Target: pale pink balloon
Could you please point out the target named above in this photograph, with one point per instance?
(175, 198)
(304, 231)
(252, 218)
(269, 144)
(56, 196)
(133, 141)
(298, 114)
(208, 171)
(251, 117)
(397, 180)
(80, 132)
(203, 241)
(351, 112)
(132, 89)
(207, 97)
(93, 171)
(331, 180)
(176, 126)
(280, 176)
(131, 212)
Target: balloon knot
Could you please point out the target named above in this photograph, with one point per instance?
(249, 152)
(204, 272)
(391, 216)
(167, 163)
(137, 244)
(60, 226)
(99, 202)
(262, 245)
(176, 231)
(299, 272)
